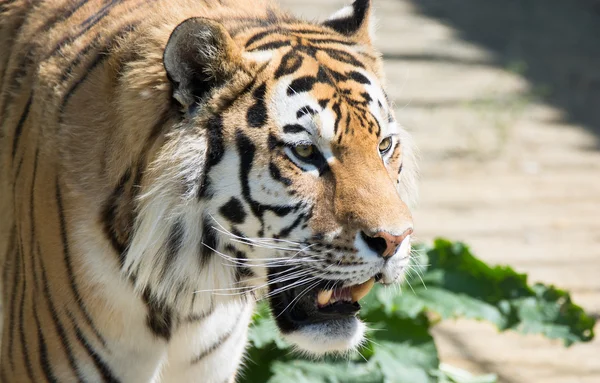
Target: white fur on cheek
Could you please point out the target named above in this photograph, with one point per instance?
(333, 336)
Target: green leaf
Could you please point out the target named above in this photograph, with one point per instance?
(264, 331)
(402, 348)
(449, 305)
(300, 371)
(537, 309)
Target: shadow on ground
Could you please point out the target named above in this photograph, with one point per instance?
(554, 44)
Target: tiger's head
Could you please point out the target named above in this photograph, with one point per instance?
(290, 160)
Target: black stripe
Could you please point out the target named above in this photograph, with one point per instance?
(222, 339)
(32, 219)
(159, 318)
(276, 175)
(202, 316)
(174, 244)
(284, 30)
(19, 127)
(270, 46)
(331, 41)
(301, 84)
(79, 57)
(260, 36)
(367, 97)
(294, 128)
(208, 242)
(304, 111)
(118, 239)
(214, 154)
(247, 150)
(358, 77)
(336, 108)
(43, 349)
(17, 174)
(94, 44)
(101, 56)
(13, 302)
(233, 211)
(289, 64)
(348, 124)
(257, 113)
(175, 239)
(24, 348)
(85, 26)
(285, 232)
(69, 266)
(97, 61)
(103, 369)
(304, 31)
(342, 56)
(242, 259)
(60, 330)
(7, 263)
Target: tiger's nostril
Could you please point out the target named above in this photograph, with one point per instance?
(384, 243)
(377, 244)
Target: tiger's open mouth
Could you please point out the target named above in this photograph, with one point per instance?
(327, 301)
(337, 299)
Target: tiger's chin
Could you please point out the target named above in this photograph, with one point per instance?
(334, 336)
(323, 319)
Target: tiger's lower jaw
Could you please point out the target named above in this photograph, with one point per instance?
(333, 336)
(322, 319)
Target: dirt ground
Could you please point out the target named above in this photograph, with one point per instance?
(503, 98)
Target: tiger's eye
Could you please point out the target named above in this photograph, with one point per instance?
(304, 151)
(385, 145)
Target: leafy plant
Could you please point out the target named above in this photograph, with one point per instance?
(447, 281)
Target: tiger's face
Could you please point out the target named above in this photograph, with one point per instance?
(305, 174)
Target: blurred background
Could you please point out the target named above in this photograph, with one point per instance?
(503, 99)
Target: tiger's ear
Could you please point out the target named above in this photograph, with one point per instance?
(199, 56)
(353, 21)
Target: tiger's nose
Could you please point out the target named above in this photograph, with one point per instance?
(384, 243)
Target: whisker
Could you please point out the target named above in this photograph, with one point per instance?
(298, 297)
(227, 232)
(246, 280)
(249, 289)
(277, 262)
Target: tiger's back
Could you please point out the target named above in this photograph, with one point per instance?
(132, 182)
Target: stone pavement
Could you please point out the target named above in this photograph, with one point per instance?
(503, 98)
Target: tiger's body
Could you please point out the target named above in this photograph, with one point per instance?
(132, 182)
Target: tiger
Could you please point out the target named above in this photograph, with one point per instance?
(167, 164)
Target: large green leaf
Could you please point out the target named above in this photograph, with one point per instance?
(402, 348)
(479, 288)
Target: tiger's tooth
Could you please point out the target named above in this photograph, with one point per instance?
(324, 297)
(360, 291)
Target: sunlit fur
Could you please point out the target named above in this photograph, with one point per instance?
(141, 220)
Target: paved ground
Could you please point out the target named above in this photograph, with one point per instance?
(503, 98)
